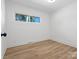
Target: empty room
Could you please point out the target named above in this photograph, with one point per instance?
(39, 29)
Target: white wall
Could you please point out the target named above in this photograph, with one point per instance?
(61, 28)
(64, 25)
(20, 33)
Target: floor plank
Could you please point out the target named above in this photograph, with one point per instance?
(47, 49)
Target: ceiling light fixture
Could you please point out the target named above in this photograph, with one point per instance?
(51, 1)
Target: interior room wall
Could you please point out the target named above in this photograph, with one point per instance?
(20, 33)
(64, 25)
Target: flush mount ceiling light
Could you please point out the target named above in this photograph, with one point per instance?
(51, 1)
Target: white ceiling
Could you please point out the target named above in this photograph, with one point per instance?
(44, 5)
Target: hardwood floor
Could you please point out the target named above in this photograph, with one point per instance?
(42, 50)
